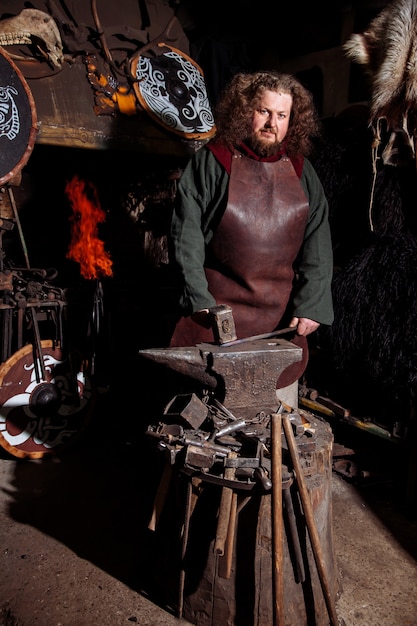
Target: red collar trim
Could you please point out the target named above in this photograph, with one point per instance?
(223, 155)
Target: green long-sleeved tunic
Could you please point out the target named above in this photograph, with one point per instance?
(200, 203)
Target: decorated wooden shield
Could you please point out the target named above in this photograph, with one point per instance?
(170, 87)
(18, 123)
(41, 417)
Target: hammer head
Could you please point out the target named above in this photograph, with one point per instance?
(222, 323)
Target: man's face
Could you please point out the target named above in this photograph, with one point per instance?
(270, 122)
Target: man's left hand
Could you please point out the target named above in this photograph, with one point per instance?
(304, 325)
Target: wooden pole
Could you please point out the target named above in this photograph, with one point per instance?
(277, 519)
(310, 521)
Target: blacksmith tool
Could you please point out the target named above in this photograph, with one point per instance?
(225, 561)
(193, 491)
(186, 409)
(292, 527)
(184, 542)
(310, 521)
(271, 335)
(222, 323)
(224, 331)
(161, 496)
(225, 508)
(277, 519)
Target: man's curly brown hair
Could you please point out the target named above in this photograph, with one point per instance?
(233, 113)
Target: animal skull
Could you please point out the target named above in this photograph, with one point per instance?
(32, 26)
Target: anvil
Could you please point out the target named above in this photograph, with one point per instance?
(242, 375)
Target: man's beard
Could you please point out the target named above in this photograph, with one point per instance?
(263, 148)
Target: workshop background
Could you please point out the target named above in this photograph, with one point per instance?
(100, 152)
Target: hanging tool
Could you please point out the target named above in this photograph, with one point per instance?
(19, 225)
(310, 522)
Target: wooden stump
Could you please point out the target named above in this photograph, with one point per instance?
(245, 598)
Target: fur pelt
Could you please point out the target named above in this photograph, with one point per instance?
(367, 360)
(388, 51)
(373, 333)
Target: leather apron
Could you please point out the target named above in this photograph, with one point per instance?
(249, 261)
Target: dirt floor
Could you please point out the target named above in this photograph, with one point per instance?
(71, 536)
(74, 553)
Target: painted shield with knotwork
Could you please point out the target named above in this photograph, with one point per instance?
(170, 87)
(42, 414)
(17, 119)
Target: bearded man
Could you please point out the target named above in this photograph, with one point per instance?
(250, 225)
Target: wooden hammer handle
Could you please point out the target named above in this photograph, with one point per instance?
(225, 509)
(277, 519)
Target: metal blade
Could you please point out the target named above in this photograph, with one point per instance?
(275, 333)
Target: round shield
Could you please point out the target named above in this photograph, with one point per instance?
(18, 122)
(42, 416)
(170, 87)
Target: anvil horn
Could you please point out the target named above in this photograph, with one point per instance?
(189, 361)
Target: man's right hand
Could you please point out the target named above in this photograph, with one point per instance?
(202, 318)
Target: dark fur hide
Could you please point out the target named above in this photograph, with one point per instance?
(374, 332)
(371, 348)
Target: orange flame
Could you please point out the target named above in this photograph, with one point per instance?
(85, 247)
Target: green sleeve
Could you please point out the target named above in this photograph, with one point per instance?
(312, 296)
(201, 196)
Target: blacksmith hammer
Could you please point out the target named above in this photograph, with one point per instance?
(224, 330)
(222, 323)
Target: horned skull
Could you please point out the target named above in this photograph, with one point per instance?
(32, 26)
